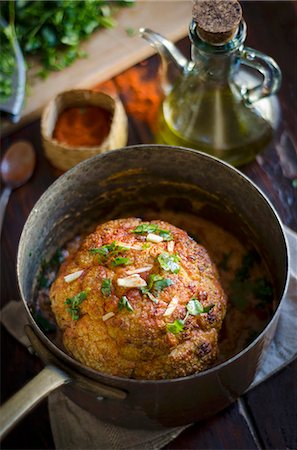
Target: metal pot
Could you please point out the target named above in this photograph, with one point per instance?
(124, 182)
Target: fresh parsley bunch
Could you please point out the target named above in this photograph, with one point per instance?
(53, 30)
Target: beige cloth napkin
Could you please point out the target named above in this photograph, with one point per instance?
(74, 428)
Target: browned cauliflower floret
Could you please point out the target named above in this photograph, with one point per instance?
(141, 300)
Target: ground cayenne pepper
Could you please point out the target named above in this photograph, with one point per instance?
(141, 92)
(85, 126)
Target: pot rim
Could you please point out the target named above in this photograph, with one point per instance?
(94, 374)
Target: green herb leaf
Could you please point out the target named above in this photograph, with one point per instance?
(74, 303)
(121, 261)
(153, 278)
(169, 262)
(48, 28)
(175, 327)
(144, 290)
(194, 307)
(7, 64)
(146, 228)
(156, 283)
(166, 235)
(106, 287)
(206, 309)
(104, 250)
(161, 284)
(124, 303)
(109, 251)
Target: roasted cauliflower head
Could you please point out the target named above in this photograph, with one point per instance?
(140, 300)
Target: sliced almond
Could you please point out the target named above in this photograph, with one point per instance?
(73, 276)
(140, 269)
(129, 246)
(131, 281)
(170, 246)
(152, 297)
(108, 316)
(155, 238)
(171, 307)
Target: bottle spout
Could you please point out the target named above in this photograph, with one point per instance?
(166, 49)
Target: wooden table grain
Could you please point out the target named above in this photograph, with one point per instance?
(266, 417)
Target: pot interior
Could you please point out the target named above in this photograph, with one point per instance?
(181, 186)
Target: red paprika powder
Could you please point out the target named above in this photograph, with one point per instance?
(83, 126)
(141, 91)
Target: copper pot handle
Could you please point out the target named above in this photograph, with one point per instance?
(79, 380)
(21, 403)
(54, 375)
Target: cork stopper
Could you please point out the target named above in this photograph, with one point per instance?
(217, 20)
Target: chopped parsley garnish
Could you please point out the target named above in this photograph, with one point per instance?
(109, 253)
(53, 31)
(106, 287)
(124, 303)
(194, 307)
(8, 63)
(161, 283)
(146, 228)
(104, 250)
(175, 327)
(156, 283)
(74, 304)
(169, 262)
(121, 261)
(165, 234)
(108, 249)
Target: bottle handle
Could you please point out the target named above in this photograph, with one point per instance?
(267, 67)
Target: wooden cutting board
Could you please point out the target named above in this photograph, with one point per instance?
(110, 51)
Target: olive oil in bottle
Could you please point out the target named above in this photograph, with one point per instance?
(218, 123)
(210, 106)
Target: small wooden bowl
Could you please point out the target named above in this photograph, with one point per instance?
(65, 156)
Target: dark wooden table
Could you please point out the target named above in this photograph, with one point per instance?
(266, 416)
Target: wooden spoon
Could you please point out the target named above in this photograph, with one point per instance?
(17, 167)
